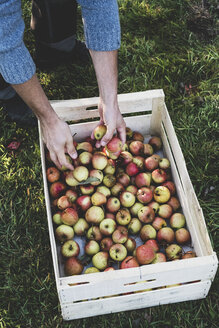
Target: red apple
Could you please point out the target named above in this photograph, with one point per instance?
(165, 235)
(120, 235)
(188, 255)
(106, 243)
(117, 189)
(174, 203)
(96, 174)
(155, 142)
(148, 150)
(144, 195)
(145, 254)
(72, 195)
(136, 148)
(98, 198)
(84, 146)
(113, 204)
(159, 176)
(182, 236)
(52, 174)
(171, 186)
(165, 211)
(69, 216)
(63, 202)
(159, 223)
(129, 262)
(137, 136)
(56, 189)
(132, 169)
(152, 162)
(143, 179)
(73, 266)
(94, 233)
(84, 202)
(133, 189)
(123, 178)
(146, 214)
(153, 243)
(126, 157)
(114, 145)
(87, 189)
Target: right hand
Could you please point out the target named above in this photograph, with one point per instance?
(59, 141)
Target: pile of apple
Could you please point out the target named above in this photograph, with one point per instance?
(117, 195)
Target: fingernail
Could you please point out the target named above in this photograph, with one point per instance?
(103, 143)
(75, 155)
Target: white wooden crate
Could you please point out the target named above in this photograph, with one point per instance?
(105, 292)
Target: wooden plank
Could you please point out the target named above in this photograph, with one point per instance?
(136, 301)
(157, 114)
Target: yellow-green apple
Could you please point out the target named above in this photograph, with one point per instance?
(87, 189)
(105, 244)
(144, 195)
(146, 214)
(155, 142)
(165, 211)
(118, 252)
(81, 227)
(84, 202)
(139, 161)
(111, 155)
(132, 169)
(114, 145)
(57, 218)
(147, 232)
(91, 247)
(85, 158)
(64, 233)
(125, 147)
(94, 173)
(159, 223)
(94, 233)
(81, 173)
(145, 254)
(84, 146)
(165, 235)
(159, 258)
(104, 190)
(143, 179)
(134, 226)
(123, 178)
(188, 255)
(117, 189)
(127, 199)
(125, 158)
(72, 195)
(70, 248)
(129, 133)
(98, 198)
(133, 189)
(109, 180)
(177, 221)
(63, 202)
(70, 180)
(99, 161)
(130, 245)
(99, 131)
(148, 150)
(73, 266)
(107, 226)
(69, 160)
(154, 205)
(164, 163)
(52, 174)
(123, 216)
(137, 136)
(136, 148)
(153, 243)
(129, 262)
(173, 252)
(100, 260)
(182, 236)
(69, 216)
(174, 203)
(159, 176)
(161, 194)
(94, 214)
(113, 204)
(91, 270)
(152, 162)
(135, 208)
(111, 167)
(56, 189)
(120, 235)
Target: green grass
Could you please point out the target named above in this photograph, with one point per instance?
(159, 50)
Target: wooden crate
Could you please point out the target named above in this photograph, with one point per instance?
(105, 292)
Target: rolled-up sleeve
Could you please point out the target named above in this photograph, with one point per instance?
(16, 64)
(101, 24)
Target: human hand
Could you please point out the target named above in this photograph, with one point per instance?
(59, 141)
(111, 117)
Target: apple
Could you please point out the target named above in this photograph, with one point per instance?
(126, 157)
(69, 160)
(56, 189)
(164, 163)
(84, 146)
(159, 223)
(57, 218)
(114, 145)
(147, 232)
(94, 214)
(81, 173)
(105, 244)
(134, 226)
(135, 208)
(165, 211)
(143, 179)
(70, 180)
(166, 235)
(139, 161)
(130, 244)
(111, 167)
(173, 252)
(109, 215)
(120, 235)
(123, 216)
(73, 266)
(87, 189)
(182, 236)
(152, 162)
(64, 233)
(123, 178)
(81, 227)
(96, 174)
(109, 269)
(69, 216)
(84, 202)
(177, 221)
(129, 133)
(137, 136)
(161, 194)
(104, 190)
(174, 203)
(148, 150)
(117, 189)
(91, 247)
(100, 260)
(118, 252)
(144, 195)
(127, 199)
(63, 202)
(188, 255)
(99, 131)
(91, 270)
(129, 262)
(159, 258)
(145, 254)
(133, 189)
(85, 158)
(136, 148)
(146, 214)
(132, 169)
(72, 195)
(99, 161)
(94, 233)
(107, 226)
(70, 248)
(109, 180)
(52, 174)
(112, 155)
(155, 142)
(159, 176)
(154, 205)
(98, 198)
(113, 204)
(153, 243)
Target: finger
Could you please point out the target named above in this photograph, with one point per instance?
(70, 149)
(63, 161)
(54, 159)
(122, 133)
(107, 137)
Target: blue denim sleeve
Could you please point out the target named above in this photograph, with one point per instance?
(101, 24)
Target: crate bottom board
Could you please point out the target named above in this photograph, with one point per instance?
(84, 309)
